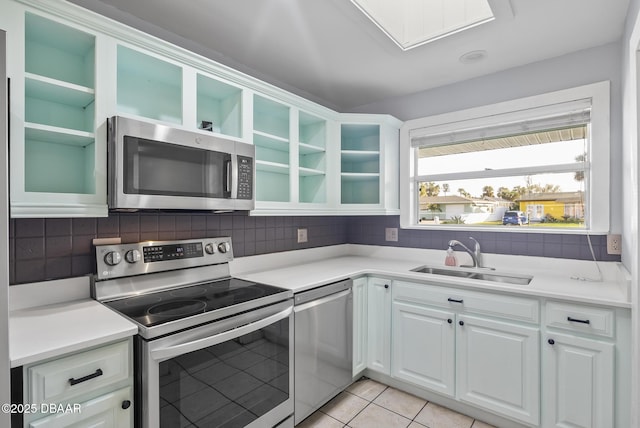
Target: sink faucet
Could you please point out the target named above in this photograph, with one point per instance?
(476, 254)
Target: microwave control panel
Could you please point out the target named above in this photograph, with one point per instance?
(245, 177)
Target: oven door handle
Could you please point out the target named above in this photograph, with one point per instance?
(163, 354)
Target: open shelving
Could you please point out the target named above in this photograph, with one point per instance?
(360, 163)
(312, 139)
(148, 86)
(220, 104)
(59, 144)
(273, 150)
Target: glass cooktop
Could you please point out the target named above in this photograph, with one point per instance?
(165, 306)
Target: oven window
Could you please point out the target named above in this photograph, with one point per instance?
(230, 384)
(158, 168)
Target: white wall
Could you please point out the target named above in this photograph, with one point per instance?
(630, 168)
(571, 70)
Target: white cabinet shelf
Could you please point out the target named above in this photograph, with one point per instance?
(278, 168)
(308, 149)
(55, 135)
(54, 90)
(308, 172)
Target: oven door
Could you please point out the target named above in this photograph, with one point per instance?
(235, 372)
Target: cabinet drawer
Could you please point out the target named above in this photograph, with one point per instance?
(587, 319)
(67, 377)
(496, 305)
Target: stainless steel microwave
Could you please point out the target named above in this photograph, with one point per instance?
(152, 166)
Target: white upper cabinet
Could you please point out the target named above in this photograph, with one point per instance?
(369, 156)
(58, 147)
(71, 69)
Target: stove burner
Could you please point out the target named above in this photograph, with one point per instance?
(177, 308)
(142, 300)
(189, 292)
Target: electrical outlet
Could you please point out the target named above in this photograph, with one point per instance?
(614, 244)
(302, 236)
(391, 234)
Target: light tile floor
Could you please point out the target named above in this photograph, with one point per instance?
(369, 404)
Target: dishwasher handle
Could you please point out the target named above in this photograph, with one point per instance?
(322, 291)
(314, 303)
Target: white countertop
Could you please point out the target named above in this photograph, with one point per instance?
(551, 277)
(52, 328)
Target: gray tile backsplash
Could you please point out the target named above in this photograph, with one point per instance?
(370, 231)
(42, 249)
(58, 248)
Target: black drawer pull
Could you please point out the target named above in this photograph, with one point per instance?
(577, 320)
(73, 381)
(386, 286)
(461, 322)
(551, 342)
(449, 320)
(454, 300)
(126, 404)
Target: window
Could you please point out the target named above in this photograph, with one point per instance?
(535, 164)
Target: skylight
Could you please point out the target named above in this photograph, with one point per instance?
(411, 23)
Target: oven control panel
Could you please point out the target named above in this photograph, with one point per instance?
(120, 260)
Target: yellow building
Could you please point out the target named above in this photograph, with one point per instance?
(559, 205)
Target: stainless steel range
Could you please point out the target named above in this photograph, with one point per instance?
(212, 350)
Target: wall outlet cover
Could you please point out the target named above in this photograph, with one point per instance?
(302, 236)
(614, 244)
(391, 234)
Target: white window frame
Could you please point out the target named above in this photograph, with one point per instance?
(505, 112)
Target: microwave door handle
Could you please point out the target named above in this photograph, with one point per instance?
(227, 179)
(232, 177)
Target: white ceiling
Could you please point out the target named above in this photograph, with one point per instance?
(328, 51)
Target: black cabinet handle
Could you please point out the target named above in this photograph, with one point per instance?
(551, 342)
(73, 381)
(454, 300)
(126, 404)
(386, 286)
(449, 320)
(577, 320)
(461, 322)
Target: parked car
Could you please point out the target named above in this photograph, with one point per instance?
(514, 217)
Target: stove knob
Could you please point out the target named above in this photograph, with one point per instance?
(223, 247)
(209, 248)
(132, 256)
(112, 258)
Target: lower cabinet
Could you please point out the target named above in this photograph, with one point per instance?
(378, 324)
(92, 388)
(423, 349)
(498, 367)
(534, 361)
(473, 347)
(108, 410)
(359, 325)
(579, 375)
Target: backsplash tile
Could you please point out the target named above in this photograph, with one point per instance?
(370, 231)
(57, 248)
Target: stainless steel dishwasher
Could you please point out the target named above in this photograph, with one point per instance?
(323, 345)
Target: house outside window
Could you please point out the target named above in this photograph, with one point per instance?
(546, 156)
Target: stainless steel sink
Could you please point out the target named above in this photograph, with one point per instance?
(474, 274)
